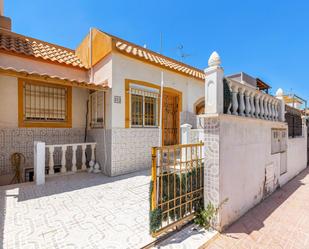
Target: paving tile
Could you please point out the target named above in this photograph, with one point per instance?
(77, 211)
(280, 222)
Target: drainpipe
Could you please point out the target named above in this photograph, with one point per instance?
(161, 98)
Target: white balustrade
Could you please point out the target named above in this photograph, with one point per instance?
(250, 102)
(64, 149)
(252, 94)
(241, 102)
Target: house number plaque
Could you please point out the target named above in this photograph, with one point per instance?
(117, 99)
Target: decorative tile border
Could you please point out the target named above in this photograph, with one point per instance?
(22, 139)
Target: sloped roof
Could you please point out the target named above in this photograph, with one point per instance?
(16, 43)
(104, 43)
(157, 59)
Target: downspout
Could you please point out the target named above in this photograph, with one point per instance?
(91, 80)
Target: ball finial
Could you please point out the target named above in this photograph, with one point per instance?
(214, 59)
(279, 92)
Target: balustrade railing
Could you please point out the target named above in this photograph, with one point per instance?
(247, 101)
(64, 148)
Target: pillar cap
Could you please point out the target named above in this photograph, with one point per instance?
(279, 92)
(214, 60)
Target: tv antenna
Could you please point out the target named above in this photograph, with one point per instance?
(183, 55)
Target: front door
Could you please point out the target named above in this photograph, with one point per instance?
(170, 118)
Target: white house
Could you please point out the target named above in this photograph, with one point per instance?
(106, 91)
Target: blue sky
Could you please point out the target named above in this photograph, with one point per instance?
(267, 39)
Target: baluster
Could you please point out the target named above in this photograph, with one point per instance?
(257, 106)
(266, 108)
(262, 107)
(276, 110)
(51, 160)
(92, 152)
(241, 102)
(252, 104)
(234, 99)
(74, 149)
(63, 160)
(269, 109)
(272, 110)
(248, 105)
(84, 167)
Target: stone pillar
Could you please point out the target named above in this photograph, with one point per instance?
(279, 95)
(39, 163)
(214, 85)
(185, 133)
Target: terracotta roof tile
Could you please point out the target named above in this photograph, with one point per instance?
(103, 85)
(155, 58)
(16, 43)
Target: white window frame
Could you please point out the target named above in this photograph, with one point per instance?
(145, 92)
(93, 114)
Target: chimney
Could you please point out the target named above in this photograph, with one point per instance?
(5, 22)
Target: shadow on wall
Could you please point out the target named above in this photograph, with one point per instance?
(254, 219)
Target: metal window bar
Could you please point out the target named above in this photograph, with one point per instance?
(143, 108)
(44, 103)
(177, 176)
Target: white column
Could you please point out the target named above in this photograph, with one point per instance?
(281, 111)
(63, 160)
(74, 149)
(262, 107)
(241, 102)
(214, 85)
(92, 152)
(84, 167)
(266, 107)
(39, 163)
(276, 111)
(185, 133)
(51, 150)
(234, 100)
(257, 106)
(272, 107)
(248, 104)
(252, 104)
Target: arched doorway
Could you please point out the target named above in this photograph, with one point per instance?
(200, 106)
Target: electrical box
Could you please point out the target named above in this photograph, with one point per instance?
(278, 140)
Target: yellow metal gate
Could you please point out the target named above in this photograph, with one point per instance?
(177, 185)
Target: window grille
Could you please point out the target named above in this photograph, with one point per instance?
(294, 121)
(44, 102)
(97, 100)
(144, 108)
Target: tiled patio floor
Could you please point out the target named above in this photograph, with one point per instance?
(280, 221)
(76, 211)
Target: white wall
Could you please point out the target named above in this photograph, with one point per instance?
(245, 152)
(126, 68)
(9, 103)
(296, 157)
(239, 165)
(79, 107)
(103, 73)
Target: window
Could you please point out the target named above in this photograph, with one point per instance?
(97, 100)
(44, 105)
(294, 120)
(144, 106)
